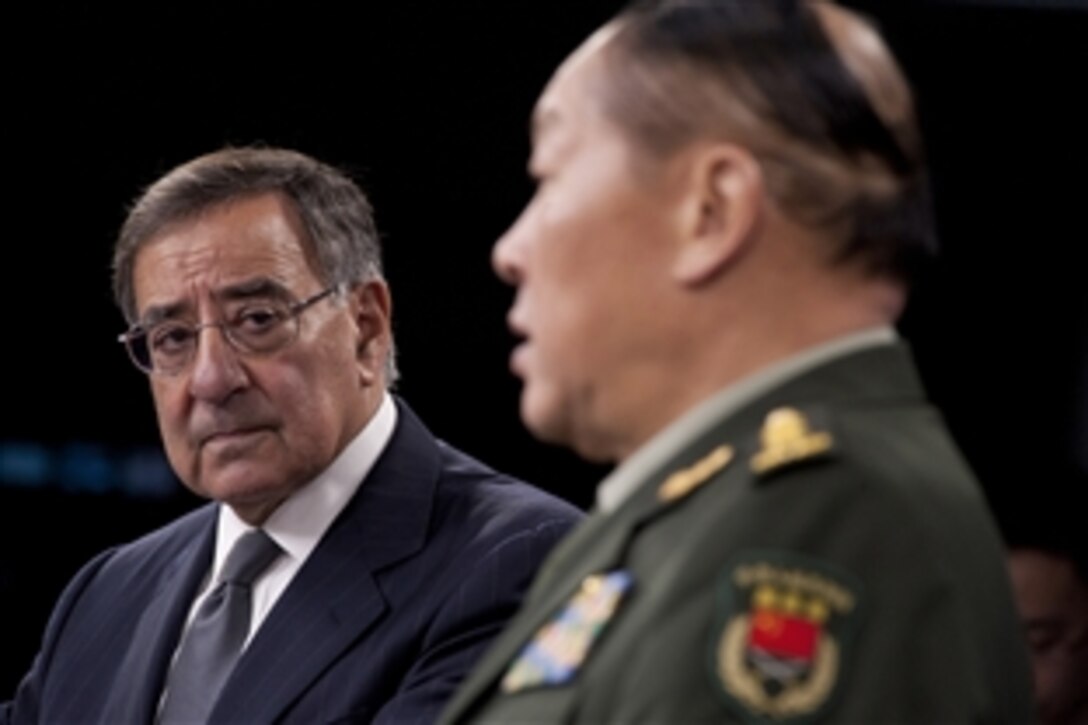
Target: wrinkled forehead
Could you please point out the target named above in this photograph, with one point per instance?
(258, 236)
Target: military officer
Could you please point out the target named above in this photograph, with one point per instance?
(731, 199)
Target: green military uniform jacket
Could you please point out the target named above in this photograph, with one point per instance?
(821, 555)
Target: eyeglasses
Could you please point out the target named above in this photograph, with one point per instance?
(255, 328)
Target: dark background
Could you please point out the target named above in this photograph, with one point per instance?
(426, 104)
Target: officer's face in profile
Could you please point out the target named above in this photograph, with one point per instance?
(1053, 604)
(247, 429)
(587, 258)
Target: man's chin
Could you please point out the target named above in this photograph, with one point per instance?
(255, 506)
(539, 414)
(253, 491)
(550, 422)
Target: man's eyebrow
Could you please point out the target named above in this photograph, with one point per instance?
(155, 314)
(258, 287)
(250, 288)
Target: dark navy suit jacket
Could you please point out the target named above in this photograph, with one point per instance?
(399, 599)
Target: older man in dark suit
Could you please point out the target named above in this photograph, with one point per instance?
(352, 567)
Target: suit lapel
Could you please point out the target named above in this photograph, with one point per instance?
(334, 599)
(156, 634)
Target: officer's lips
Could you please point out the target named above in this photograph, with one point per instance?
(521, 350)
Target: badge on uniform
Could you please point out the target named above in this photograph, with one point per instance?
(686, 480)
(559, 648)
(787, 438)
(785, 634)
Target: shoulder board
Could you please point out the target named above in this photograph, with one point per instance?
(789, 437)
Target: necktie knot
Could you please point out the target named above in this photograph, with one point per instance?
(251, 555)
(214, 641)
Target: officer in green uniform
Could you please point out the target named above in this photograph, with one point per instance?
(731, 197)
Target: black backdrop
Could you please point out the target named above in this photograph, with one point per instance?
(427, 105)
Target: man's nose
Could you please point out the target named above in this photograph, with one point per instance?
(506, 255)
(217, 369)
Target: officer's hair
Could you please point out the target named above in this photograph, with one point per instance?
(830, 120)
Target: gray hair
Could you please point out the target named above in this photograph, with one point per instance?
(342, 237)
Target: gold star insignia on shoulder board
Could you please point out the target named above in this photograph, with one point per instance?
(787, 438)
(686, 480)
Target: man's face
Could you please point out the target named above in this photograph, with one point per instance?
(588, 263)
(1053, 604)
(249, 430)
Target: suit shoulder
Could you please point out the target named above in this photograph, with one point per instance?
(485, 497)
(160, 547)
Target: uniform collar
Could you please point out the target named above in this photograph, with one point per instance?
(668, 443)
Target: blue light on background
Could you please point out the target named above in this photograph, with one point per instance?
(85, 467)
(24, 464)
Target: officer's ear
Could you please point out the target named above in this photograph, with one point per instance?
(726, 194)
(371, 307)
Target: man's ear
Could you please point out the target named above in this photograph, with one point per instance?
(371, 309)
(726, 194)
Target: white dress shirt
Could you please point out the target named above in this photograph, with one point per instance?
(300, 521)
